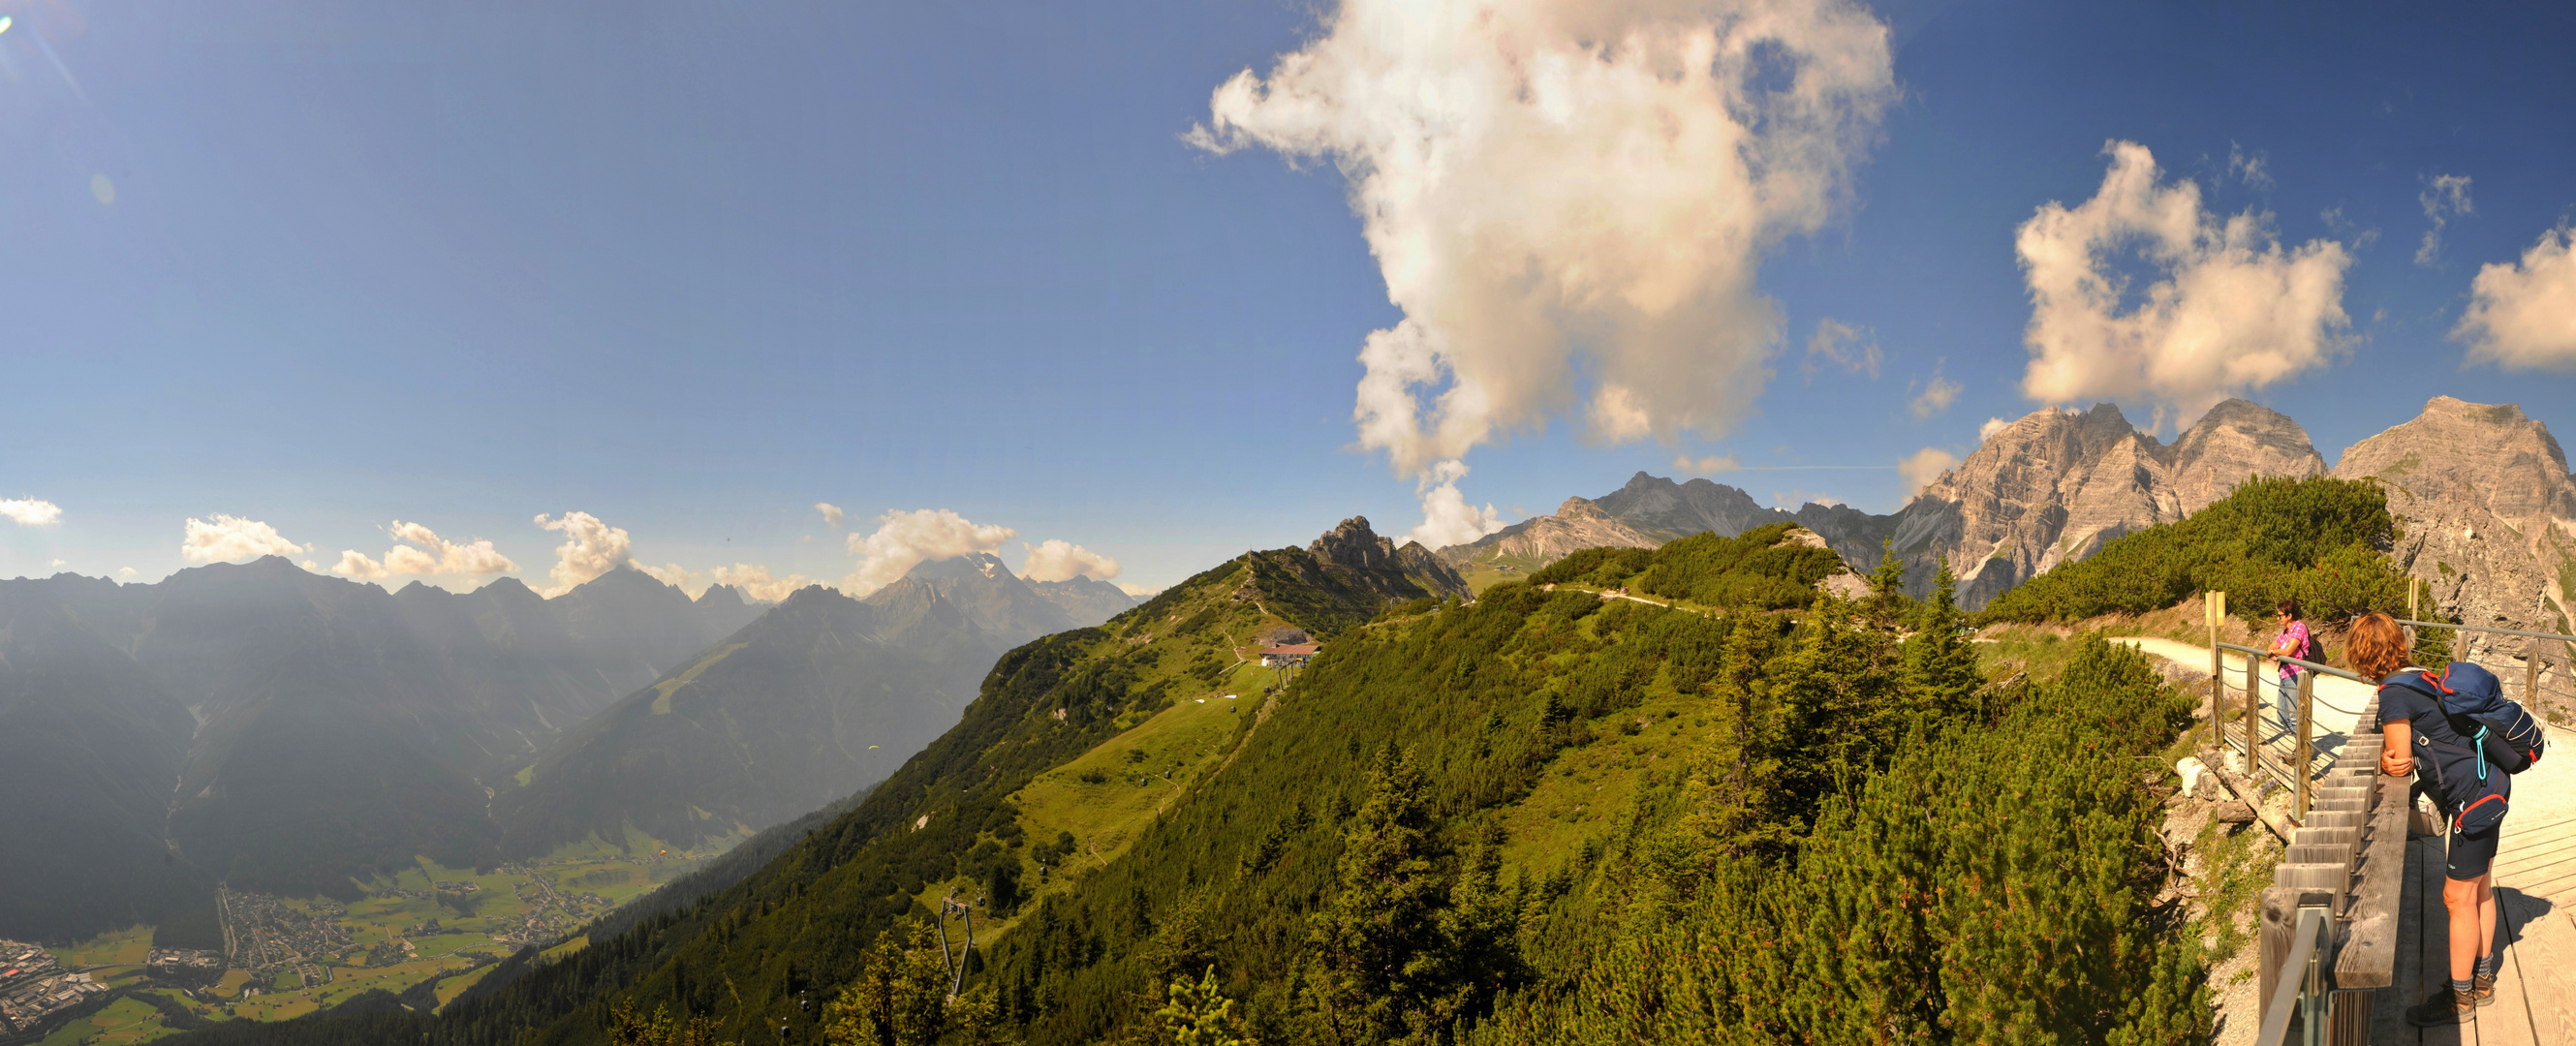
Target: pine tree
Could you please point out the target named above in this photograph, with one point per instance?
(1940, 670)
(1197, 1014)
(901, 996)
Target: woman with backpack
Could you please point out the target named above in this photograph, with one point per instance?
(2293, 641)
(2468, 780)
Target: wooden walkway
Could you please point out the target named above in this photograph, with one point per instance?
(2535, 1003)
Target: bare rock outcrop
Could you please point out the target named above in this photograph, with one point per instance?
(1578, 524)
(1353, 546)
(2488, 510)
(2055, 485)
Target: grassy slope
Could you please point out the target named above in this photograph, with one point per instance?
(801, 921)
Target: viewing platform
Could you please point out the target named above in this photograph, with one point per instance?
(2353, 930)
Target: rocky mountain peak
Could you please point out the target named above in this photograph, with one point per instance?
(2487, 507)
(1353, 544)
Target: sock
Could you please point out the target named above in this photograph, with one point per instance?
(2486, 965)
(2462, 987)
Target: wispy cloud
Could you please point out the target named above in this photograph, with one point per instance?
(1843, 346)
(1936, 397)
(831, 513)
(2445, 197)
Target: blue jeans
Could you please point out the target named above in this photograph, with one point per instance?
(2289, 701)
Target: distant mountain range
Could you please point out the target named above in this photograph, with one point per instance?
(2484, 494)
(284, 730)
(820, 696)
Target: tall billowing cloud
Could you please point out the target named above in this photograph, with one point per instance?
(231, 539)
(2233, 311)
(2523, 316)
(31, 512)
(424, 553)
(1922, 467)
(905, 539)
(590, 548)
(1558, 191)
(758, 584)
(1056, 559)
(1447, 518)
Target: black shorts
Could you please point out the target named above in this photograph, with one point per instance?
(2470, 854)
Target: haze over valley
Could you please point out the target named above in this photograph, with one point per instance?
(1506, 522)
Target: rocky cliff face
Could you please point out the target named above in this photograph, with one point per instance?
(2053, 486)
(1353, 546)
(2048, 489)
(1666, 510)
(2489, 514)
(1578, 524)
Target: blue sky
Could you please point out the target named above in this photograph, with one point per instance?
(690, 270)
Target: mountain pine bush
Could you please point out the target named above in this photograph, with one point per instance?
(2321, 540)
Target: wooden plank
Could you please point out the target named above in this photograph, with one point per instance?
(2544, 953)
(2507, 1020)
(2388, 1025)
(2369, 955)
(2437, 946)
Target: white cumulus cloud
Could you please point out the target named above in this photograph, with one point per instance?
(1447, 518)
(831, 513)
(590, 548)
(1993, 425)
(125, 571)
(231, 539)
(903, 540)
(424, 553)
(758, 584)
(1056, 559)
(1923, 466)
(1138, 591)
(31, 512)
(2522, 316)
(2233, 310)
(1554, 188)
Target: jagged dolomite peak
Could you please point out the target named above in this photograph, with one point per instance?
(2053, 486)
(2488, 509)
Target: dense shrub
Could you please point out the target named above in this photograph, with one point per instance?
(2321, 540)
(1756, 570)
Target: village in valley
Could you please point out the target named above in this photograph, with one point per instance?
(426, 934)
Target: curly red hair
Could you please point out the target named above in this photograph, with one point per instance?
(2378, 647)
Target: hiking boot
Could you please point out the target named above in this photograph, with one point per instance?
(2444, 1007)
(2483, 989)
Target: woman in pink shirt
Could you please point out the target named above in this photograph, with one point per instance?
(2292, 642)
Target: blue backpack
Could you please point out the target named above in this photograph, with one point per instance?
(2503, 732)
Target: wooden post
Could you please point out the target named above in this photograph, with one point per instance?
(2217, 677)
(2307, 726)
(2413, 585)
(2253, 715)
